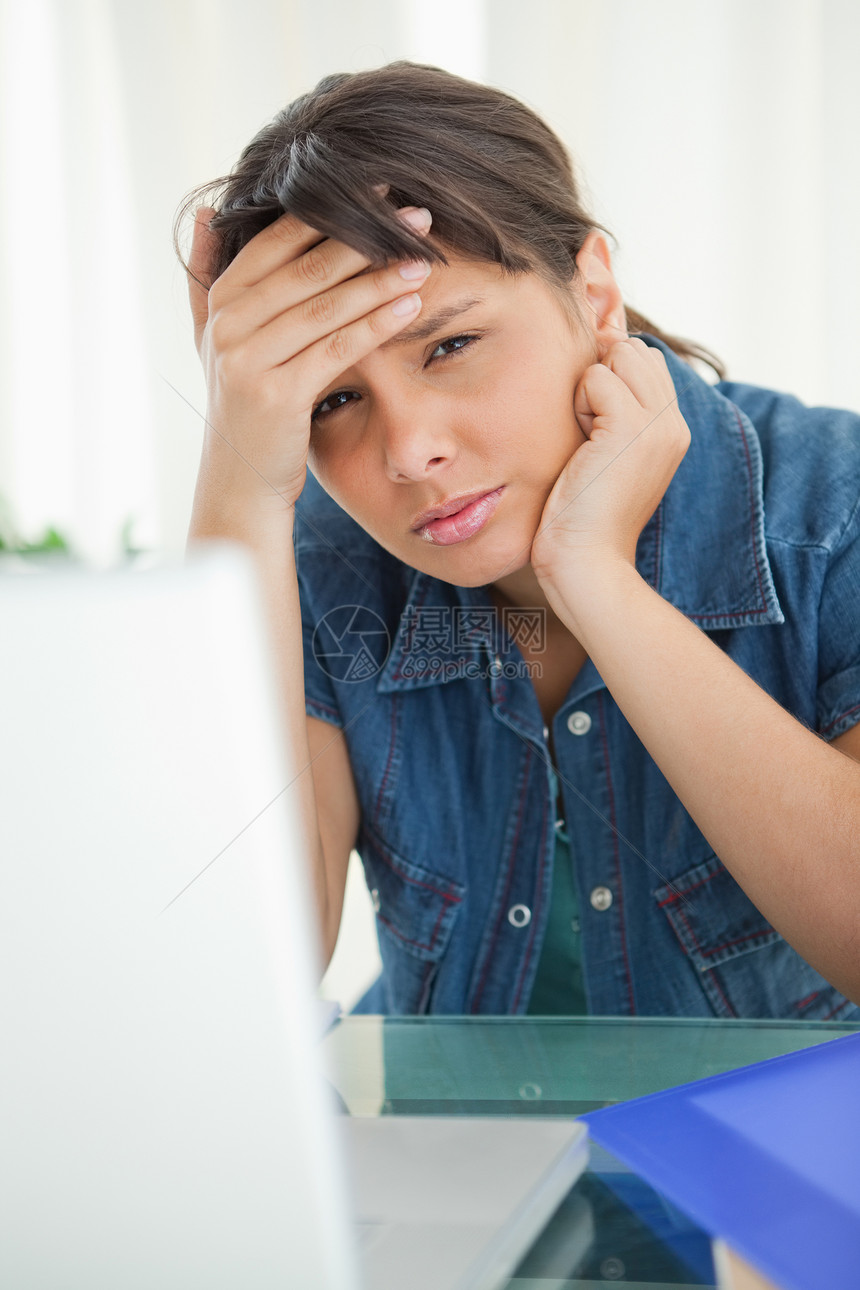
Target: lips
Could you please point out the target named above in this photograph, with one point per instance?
(451, 507)
(463, 523)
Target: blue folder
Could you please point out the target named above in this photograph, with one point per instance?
(767, 1157)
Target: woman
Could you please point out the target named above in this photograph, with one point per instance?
(580, 642)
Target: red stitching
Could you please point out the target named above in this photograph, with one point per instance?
(836, 720)
(763, 610)
(408, 642)
(752, 529)
(407, 940)
(535, 909)
(379, 795)
(838, 1008)
(740, 940)
(630, 994)
(504, 901)
(423, 989)
(416, 882)
(316, 703)
(808, 999)
(658, 545)
(683, 891)
(442, 913)
(692, 935)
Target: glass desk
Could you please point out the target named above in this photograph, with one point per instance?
(612, 1228)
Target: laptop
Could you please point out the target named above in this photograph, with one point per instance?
(167, 1119)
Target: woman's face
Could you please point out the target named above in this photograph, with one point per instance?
(474, 396)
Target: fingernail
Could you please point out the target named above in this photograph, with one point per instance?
(406, 305)
(414, 269)
(417, 217)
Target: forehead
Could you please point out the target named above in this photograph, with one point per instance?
(451, 291)
(480, 281)
(459, 268)
(469, 293)
(462, 273)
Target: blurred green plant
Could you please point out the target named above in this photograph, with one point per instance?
(13, 542)
(52, 540)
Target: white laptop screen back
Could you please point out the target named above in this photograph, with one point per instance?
(161, 1100)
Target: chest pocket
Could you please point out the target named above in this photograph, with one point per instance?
(416, 910)
(744, 966)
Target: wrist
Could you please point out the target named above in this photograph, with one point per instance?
(585, 595)
(223, 509)
(231, 468)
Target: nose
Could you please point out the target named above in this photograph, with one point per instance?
(416, 438)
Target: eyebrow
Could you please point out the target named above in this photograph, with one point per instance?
(433, 322)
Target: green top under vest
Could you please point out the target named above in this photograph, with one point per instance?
(558, 987)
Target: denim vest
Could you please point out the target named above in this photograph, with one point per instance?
(756, 541)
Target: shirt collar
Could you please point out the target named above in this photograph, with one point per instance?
(703, 549)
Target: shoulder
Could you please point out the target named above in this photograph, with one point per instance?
(810, 464)
(339, 563)
(321, 524)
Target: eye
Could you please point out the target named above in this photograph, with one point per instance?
(453, 345)
(332, 402)
(449, 348)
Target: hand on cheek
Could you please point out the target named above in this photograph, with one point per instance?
(636, 438)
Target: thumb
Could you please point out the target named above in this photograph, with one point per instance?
(583, 407)
(199, 271)
(597, 394)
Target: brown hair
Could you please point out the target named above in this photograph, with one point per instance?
(497, 180)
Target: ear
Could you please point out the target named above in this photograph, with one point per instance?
(599, 293)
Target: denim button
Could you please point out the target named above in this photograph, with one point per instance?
(601, 898)
(519, 915)
(579, 723)
(374, 900)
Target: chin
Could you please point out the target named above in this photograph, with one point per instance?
(471, 564)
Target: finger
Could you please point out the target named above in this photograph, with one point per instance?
(324, 361)
(282, 242)
(643, 370)
(582, 406)
(600, 392)
(291, 331)
(311, 276)
(310, 283)
(302, 281)
(203, 247)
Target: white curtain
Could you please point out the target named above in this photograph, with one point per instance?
(111, 111)
(75, 443)
(717, 138)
